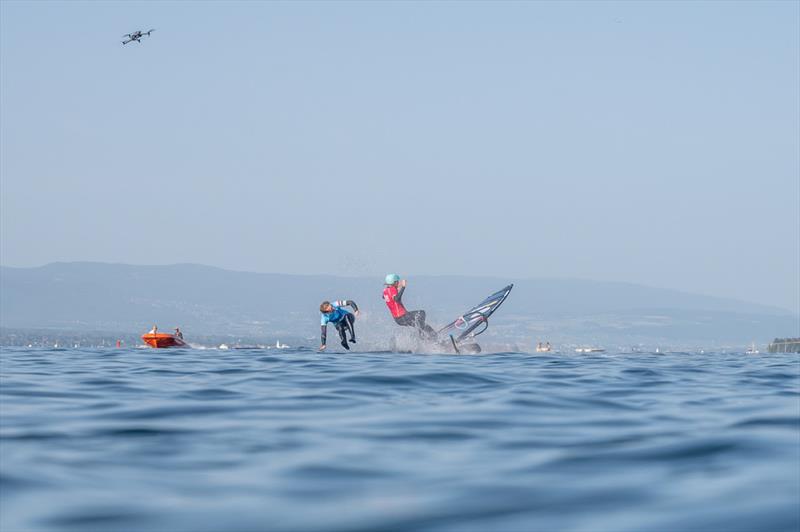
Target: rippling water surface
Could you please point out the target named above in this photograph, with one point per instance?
(294, 440)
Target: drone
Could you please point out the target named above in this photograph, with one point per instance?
(135, 36)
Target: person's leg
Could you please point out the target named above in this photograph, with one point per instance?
(341, 329)
(424, 328)
(418, 321)
(406, 320)
(350, 321)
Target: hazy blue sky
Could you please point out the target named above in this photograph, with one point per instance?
(656, 143)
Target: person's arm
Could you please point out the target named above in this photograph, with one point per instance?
(323, 336)
(347, 303)
(400, 291)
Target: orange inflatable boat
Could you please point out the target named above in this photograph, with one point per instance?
(162, 340)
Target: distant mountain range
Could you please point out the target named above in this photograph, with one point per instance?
(213, 301)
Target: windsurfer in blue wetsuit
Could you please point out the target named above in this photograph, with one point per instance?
(341, 318)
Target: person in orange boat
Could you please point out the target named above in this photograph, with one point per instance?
(154, 330)
(178, 333)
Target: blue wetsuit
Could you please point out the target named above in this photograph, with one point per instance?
(342, 319)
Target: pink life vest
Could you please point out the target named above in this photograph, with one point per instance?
(395, 307)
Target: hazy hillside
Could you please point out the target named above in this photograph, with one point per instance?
(116, 297)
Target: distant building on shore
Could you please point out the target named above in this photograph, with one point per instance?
(785, 345)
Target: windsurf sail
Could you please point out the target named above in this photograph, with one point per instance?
(476, 320)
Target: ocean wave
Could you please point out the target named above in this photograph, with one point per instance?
(298, 440)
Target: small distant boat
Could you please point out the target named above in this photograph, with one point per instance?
(590, 350)
(752, 350)
(543, 348)
(159, 340)
(279, 345)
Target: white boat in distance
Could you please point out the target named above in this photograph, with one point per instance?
(590, 350)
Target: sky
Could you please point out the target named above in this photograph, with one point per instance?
(649, 142)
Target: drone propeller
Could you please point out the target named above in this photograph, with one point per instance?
(148, 32)
(126, 35)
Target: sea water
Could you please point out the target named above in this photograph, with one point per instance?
(207, 440)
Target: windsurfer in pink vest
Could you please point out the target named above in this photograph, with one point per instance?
(393, 295)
